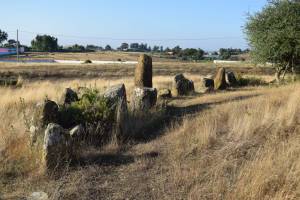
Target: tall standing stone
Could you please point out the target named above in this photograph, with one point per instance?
(220, 80)
(117, 100)
(143, 72)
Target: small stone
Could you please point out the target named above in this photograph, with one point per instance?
(208, 83)
(49, 113)
(164, 94)
(38, 196)
(182, 86)
(231, 79)
(69, 96)
(77, 133)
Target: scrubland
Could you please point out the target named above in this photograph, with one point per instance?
(243, 143)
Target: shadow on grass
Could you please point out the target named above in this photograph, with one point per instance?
(176, 114)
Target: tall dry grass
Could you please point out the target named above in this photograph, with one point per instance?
(244, 149)
(242, 144)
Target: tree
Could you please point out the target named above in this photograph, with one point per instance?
(11, 43)
(77, 48)
(3, 36)
(274, 35)
(155, 48)
(44, 43)
(192, 54)
(108, 48)
(124, 47)
(177, 50)
(134, 46)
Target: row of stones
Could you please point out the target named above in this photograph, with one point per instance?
(61, 145)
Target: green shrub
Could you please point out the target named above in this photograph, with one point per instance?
(90, 109)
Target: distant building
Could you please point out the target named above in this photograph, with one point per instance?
(10, 51)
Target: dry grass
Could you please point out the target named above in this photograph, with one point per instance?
(242, 144)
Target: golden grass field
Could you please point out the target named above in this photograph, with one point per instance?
(243, 143)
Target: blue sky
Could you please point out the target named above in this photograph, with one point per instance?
(206, 24)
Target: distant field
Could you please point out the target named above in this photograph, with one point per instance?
(105, 56)
(161, 66)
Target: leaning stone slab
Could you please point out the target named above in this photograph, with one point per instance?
(57, 147)
(116, 96)
(144, 98)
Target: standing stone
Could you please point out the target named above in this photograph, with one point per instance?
(116, 95)
(220, 80)
(182, 86)
(143, 72)
(49, 112)
(117, 100)
(144, 98)
(69, 96)
(57, 147)
(208, 84)
(231, 79)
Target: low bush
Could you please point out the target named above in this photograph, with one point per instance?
(87, 62)
(92, 111)
(250, 81)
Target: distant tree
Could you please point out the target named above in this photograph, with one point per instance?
(134, 46)
(168, 49)
(44, 43)
(274, 35)
(3, 36)
(155, 48)
(161, 49)
(124, 46)
(192, 54)
(108, 48)
(225, 54)
(177, 50)
(91, 47)
(11, 43)
(77, 48)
